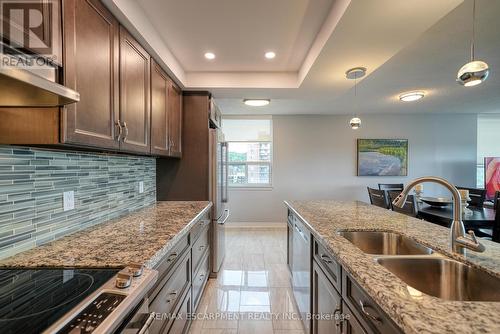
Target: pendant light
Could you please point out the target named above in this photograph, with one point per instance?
(354, 74)
(474, 72)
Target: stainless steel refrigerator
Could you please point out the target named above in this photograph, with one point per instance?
(218, 152)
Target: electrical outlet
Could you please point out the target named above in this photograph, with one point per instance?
(141, 187)
(68, 200)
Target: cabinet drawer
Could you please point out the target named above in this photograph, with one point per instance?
(350, 324)
(197, 229)
(199, 248)
(199, 280)
(180, 325)
(369, 314)
(169, 261)
(331, 267)
(171, 292)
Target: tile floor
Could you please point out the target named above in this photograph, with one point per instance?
(252, 294)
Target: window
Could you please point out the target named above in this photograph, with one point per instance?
(250, 151)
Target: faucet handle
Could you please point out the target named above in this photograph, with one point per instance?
(473, 236)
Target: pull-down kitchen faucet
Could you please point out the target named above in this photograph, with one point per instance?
(459, 239)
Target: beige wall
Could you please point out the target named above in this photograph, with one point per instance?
(315, 158)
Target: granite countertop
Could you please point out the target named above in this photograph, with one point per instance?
(144, 236)
(414, 314)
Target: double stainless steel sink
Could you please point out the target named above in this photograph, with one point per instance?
(424, 270)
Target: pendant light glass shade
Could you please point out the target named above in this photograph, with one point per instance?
(474, 72)
(355, 123)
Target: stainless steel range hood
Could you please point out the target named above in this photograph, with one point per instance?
(22, 88)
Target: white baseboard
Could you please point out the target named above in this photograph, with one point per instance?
(260, 225)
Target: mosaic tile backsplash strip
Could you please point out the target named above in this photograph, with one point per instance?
(32, 182)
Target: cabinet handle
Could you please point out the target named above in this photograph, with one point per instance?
(367, 314)
(126, 131)
(201, 247)
(172, 257)
(338, 319)
(325, 258)
(120, 130)
(201, 277)
(174, 294)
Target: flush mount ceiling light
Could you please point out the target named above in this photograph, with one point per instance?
(354, 74)
(411, 96)
(474, 72)
(270, 55)
(209, 55)
(256, 102)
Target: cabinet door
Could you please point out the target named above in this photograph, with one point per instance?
(159, 111)
(134, 94)
(175, 120)
(327, 304)
(91, 57)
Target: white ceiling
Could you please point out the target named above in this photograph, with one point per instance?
(239, 32)
(411, 44)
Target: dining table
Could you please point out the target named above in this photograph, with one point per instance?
(476, 218)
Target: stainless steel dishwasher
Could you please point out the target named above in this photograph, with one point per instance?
(301, 277)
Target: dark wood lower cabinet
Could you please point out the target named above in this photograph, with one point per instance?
(339, 304)
(180, 284)
(327, 304)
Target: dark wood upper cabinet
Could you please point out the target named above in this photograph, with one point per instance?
(127, 101)
(91, 59)
(159, 111)
(175, 120)
(134, 94)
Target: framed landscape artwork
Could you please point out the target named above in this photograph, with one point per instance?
(382, 157)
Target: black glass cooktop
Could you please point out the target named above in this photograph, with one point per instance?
(33, 299)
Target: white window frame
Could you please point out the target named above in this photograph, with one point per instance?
(254, 186)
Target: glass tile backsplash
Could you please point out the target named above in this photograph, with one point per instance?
(32, 183)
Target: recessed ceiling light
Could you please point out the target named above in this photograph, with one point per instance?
(210, 55)
(270, 55)
(411, 96)
(256, 102)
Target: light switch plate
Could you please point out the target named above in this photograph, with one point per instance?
(141, 187)
(69, 200)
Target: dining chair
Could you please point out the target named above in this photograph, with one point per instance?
(377, 197)
(495, 200)
(410, 207)
(496, 224)
(391, 186)
(477, 196)
(492, 233)
(386, 187)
